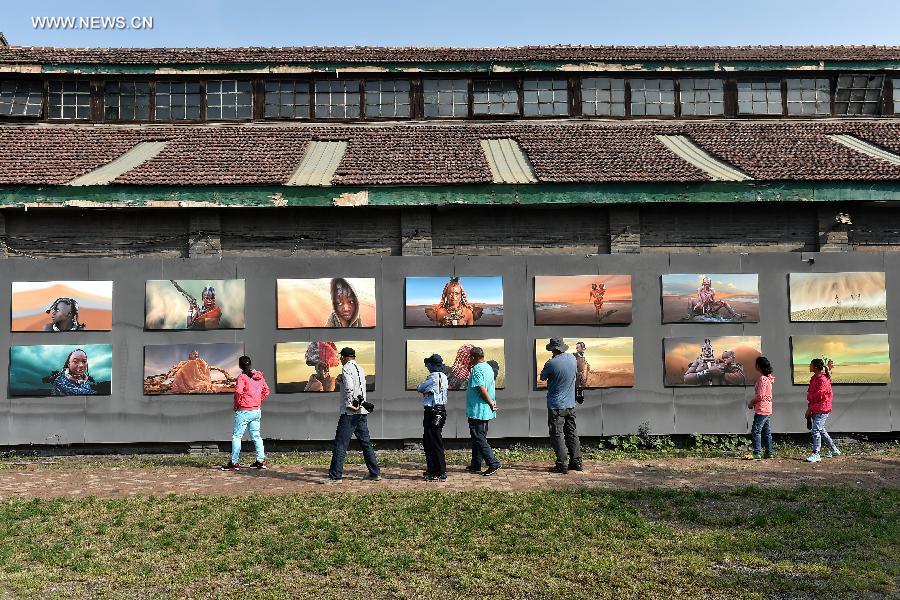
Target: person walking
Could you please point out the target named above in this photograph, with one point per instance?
(762, 408)
(560, 373)
(354, 409)
(434, 399)
(819, 398)
(250, 391)
(481, 408)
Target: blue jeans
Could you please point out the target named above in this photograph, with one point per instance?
(819, 433)
(761, 427)
(347, 427)
(242, 420)
(481, 449)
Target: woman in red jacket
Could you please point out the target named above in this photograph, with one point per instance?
(249, 393)
(819, 397)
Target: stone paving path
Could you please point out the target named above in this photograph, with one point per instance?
(35, 481)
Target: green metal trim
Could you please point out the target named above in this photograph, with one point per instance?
(485, 67)
(488, 194)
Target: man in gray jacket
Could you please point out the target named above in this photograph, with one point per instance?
(560, 373)
(353, 420)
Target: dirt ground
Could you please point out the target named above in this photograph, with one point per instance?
(35, 481)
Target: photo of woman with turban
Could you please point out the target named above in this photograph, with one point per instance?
(344, 305)
(73, 379)
(454, 309)
(458, 373)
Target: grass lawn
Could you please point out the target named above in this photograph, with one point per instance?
(798, 543)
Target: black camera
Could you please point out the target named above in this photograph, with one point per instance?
(579, 395)
(361, 401)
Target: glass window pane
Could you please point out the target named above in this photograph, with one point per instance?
(446, 97)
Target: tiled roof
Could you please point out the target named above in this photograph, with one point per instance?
(431, 154)
(367, 54)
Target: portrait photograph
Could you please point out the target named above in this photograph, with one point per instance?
(60, 370)
(195, 304)
(858, 296)
(457, 360)
(600, 362)
(856, 358)
(191, 368)
(61, 306)
(710, 298)
(711, 361)
(454, 301)
(326, 303)
(582, 299)
(316, 366)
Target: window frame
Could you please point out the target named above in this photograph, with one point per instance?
(43, 85)
(448, 76)
(517, 78)
(362, 100)
(204, 113)
(363, 109)
(551, 76)
(676, 114)
(120, 79)
(261, 91)
(93, 101)
(176, 79)
(577, 83)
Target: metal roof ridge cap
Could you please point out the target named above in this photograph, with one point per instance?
(688, 150)
(142, 152)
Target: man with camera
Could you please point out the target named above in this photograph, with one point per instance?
(560, 373)
(434, 399)
(354, 408)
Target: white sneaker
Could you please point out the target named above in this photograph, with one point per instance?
(813, 458)
(832, 453)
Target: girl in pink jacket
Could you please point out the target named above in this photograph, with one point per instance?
(249, 393)
(762, 408)
(819, 397)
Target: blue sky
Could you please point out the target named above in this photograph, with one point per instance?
(427, 290)
(464, 23)
(726, 283)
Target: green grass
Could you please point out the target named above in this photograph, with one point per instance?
(749, 543)
(391, 458)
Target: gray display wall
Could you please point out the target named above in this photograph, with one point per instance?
(127, 416)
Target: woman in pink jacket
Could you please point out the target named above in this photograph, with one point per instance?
(762, 408)
(819, 397)
(249, 393)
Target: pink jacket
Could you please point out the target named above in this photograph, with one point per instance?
(249, 392)
(762, 401)
(819, 394)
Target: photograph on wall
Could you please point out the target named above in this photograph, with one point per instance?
(326, 302)
(711, 361)
(61, 306)
(855, 358)
(710, 298)
(454, 301)
(582, 299)
(191, 368)
(60, 370)
(456, 355)
(316, 366)
(195, 304)
(857, 296)
(600, 362)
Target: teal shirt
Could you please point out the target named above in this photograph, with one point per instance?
(476, 408)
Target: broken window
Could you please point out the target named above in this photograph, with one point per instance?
(446, 97)
(702, 97)
(287, 99)
(387, 98)
(652, 97)
(495, 97)
(126, 100)
(858, 95)
(21, 98)
(70, 100)
(177, 101)
(759, 97)
(337, 99)
(809, 96)
(896, 83)
(545, 97)
(603, 96)
(229, 99)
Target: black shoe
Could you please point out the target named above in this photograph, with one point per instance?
(558, 469)
(436, 478)
(491, 470)
(260, 464)
(575, 467)
(472, 469)
(231, 466)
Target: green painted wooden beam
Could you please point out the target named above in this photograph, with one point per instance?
(487, 194)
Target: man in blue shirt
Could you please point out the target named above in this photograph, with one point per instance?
(434, 399)
(559, 372)
(480, 409)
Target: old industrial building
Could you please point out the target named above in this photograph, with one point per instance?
(292, 162)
